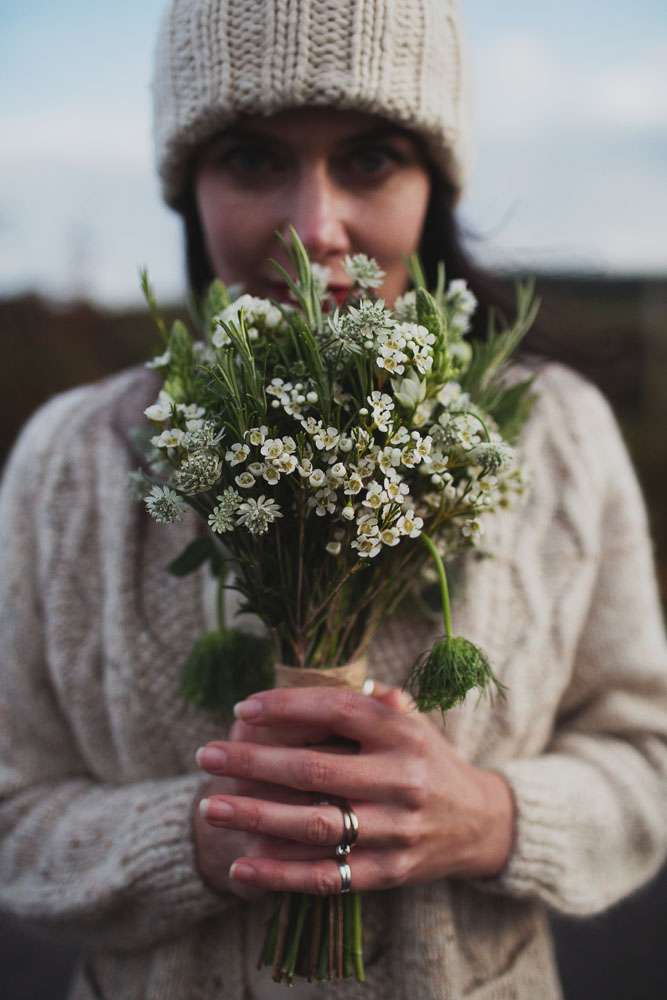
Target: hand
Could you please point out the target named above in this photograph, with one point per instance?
(217, 849)
(424, 812)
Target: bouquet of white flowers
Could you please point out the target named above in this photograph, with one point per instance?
(331, 453)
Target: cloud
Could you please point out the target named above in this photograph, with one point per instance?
(78, 133)
(524, 82)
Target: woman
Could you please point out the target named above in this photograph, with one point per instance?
(111, 834)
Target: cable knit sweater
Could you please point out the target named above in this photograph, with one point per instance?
(97, 773)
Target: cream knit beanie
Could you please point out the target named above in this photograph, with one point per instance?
(217, 59)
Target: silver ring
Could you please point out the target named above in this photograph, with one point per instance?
(350, 829)
(345, 876)
(350, 825)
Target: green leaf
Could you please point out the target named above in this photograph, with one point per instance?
(192, 557)
(226, 667)
(512, 407)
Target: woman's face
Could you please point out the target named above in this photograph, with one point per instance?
(348, 182)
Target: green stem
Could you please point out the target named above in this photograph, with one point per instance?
(477, 417)
(357, 939)
(293, 951)
(442, 577)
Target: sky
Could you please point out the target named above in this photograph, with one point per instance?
(570, 168)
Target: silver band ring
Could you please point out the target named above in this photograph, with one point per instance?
(345, 876)
(350, 824)
(350, 831)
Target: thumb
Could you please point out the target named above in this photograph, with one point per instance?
(392, 697)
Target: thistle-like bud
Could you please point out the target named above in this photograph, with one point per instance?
(442, 677)
(199, 472)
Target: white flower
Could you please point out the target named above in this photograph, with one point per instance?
(375, 496)
(245, 480)
(396, 490)
(190, 410)
(472, 530)
(198, 472)
(286, 463)
(220, 338)
(337, 471)
(325, 502)
(409, 391)
(410, 525)
(353, 485)
(272, 448)
(348, 512)
(271, 475)
(161, 361)
(390, 536)
(326, 439)
(160, 410)
(368, 546)
(237, 454)
(388, 458)
(222, 517)
(405, 307)
(317, 478)
(169, 439)
(451, 392)
(492, 455)
(164, 505)
(333, 548)
(257, 435)
(257, 515)
(321, 278)
(364, 271)
(461, 297)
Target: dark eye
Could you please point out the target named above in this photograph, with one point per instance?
(375, 159)
(248, 159)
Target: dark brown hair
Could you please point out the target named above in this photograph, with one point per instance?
(442, 240)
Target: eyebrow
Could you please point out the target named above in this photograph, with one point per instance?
(387, 131)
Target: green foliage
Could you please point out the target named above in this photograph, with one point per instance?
(304, 287)
(213, 301)
(226, 667)
(192, 557)
(151, 301)
(511, 407)
(488, 356)
(441, 677)
(179, 380)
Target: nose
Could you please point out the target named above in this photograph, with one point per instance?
(317, 209)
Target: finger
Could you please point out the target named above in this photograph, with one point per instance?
(356, 776)
(316, 824)
(369, 869)
(393, 697)
(345, 712)
(278, 735)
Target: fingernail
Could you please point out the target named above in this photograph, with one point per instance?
(203, 807)
(368, 686)
(249, 709)
(218, 809)
(211, 758)
(241, 871)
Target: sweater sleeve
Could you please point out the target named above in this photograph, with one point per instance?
(591, 812)
(103, 866)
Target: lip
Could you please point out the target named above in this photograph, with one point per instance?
(282, 292)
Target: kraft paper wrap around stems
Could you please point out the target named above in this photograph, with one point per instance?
(352, 674)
